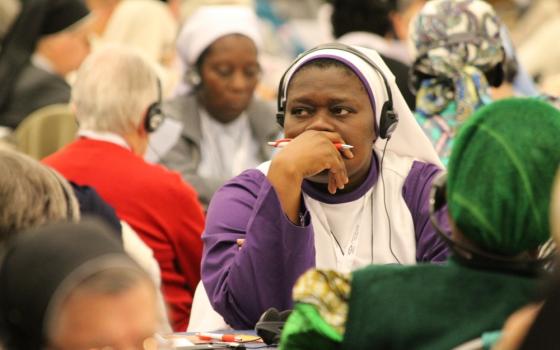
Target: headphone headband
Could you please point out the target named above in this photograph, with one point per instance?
(388, 118)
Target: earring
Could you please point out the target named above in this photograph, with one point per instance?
(192, 77)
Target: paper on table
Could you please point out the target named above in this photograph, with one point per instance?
(181, 341)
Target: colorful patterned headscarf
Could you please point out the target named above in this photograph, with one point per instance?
(456, 41)
(501, 173)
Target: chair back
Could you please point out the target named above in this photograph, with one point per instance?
(46, 130)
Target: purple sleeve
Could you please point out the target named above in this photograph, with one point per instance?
(243, 283)
(416, 194)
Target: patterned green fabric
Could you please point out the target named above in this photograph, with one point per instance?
(306, 329)
(319, 317)
(422, 307)
(428, 306)
(328, 291)
(501, 172)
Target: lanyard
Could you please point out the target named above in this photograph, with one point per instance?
(345, 263)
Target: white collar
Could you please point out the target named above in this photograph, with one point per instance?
(104, 136)
(231, 128)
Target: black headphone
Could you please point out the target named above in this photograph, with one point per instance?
(389, 118)
(270, 325)
(154, 115)
(472, 256)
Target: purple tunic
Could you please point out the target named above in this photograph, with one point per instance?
(243, 283)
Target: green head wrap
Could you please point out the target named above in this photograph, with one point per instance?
(501, 173)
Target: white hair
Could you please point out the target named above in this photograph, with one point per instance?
(32, 195)
(114, 88)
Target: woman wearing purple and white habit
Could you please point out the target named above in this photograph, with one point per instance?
(314, 205)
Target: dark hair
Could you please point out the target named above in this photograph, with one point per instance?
(201, 58)
(362, 15)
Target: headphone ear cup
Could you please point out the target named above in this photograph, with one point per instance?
(271, 314)
(270, 325)
(284, 315)
(388, 121)
(154, 117)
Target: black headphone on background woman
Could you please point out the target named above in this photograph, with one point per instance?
(476, 257)
(389, 118)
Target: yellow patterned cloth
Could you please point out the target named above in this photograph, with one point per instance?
(329, 292)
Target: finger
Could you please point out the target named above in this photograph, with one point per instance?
(341, 179)
(347, 153)
(339, 171)
(336, 138)
(240, 242)
(332, 183)
(342, 167)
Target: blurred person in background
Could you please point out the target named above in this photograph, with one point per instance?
(71, 286)
(534, 34)
(459, 55)
(34, 195)
(517, 81)
(188, 7)
(117, 98)
(146, 25)
(9, 10)
(47, 41)
(225, 128)
(379, 25)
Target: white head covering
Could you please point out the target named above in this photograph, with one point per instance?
(209, 23)
(408, 139)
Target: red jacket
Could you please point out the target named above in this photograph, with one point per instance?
(161, 207)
